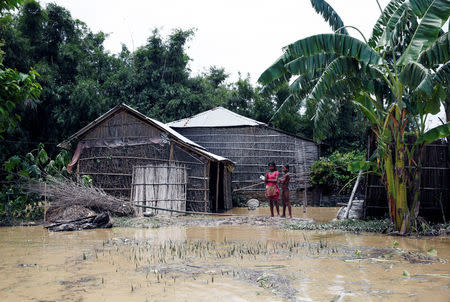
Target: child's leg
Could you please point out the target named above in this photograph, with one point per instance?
(271, 206)
(288, 202)
(277, 206)
(284, 205)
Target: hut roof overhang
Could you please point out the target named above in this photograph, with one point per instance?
(171, 133)
(220, 117)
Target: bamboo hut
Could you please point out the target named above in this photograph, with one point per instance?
(252, 145)
(123, 143)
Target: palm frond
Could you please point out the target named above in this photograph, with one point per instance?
(341, 45)
(383, 20)
(417, 76)
(304, 65)
(275, 71)
(442, 75)
(330, 15)
(420, 6)
(428, 30)
(437, 53)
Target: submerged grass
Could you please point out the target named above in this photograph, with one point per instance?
(350, 225)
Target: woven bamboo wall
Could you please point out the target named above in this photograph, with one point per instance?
(161, 185)
(434, 190)
(252, 148)
(111, 167)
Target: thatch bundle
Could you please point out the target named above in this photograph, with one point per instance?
(66, 194)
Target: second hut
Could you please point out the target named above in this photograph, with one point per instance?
(252, 145)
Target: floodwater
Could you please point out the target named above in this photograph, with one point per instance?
(319, 214)
(220, 263)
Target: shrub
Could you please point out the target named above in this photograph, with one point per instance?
(334, 174)
(15, 203)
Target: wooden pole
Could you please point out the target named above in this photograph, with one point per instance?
(188, 212)
(217, 186)
(132, 185)
(45, 202)
(305, 172)
(78, 171)
(350, 201)
(171, 152)
(205, 199)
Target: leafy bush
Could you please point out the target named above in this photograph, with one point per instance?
(337, 173)
(15, 203)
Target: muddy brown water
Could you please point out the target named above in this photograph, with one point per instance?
(220, 263)
(319, 214)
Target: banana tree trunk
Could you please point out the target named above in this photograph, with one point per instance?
(402, 212)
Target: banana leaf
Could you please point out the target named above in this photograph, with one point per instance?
(428, 30)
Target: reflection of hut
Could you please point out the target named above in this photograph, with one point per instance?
(122, 138)
(251, 145)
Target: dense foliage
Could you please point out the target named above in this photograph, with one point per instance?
(81, 80)
(56, 77)
(15, 201)
(334, 173)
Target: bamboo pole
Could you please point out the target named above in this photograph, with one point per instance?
(171, 152)
(45, 202)
(350, 201)
(205, 184)
(217, 186)
(187, 212)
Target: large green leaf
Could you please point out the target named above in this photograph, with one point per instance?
(330, 15)
(335, 70)
(393, 20)
(275, 71)
(428, 30)
(416, 75)
(275, 84)
(341, 45)
(325, 118)
(420, 6)
(434, 134)
(437, 53)
(433, 105)
(383, 20)
(364, 105)
(342, 67)
(303, 84)
(304, 65)
(442, 75)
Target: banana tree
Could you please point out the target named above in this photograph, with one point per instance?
(397, 79)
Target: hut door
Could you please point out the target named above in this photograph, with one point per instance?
(160, 185)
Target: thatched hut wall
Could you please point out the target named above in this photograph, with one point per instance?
(125, 138)
(252, 148)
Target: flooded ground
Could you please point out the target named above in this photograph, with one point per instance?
(319, 214)
(224, 263)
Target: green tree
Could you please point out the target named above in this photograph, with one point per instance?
(396, 78)
(15, 87)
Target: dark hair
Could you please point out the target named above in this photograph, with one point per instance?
(286, 166)
(272, 164)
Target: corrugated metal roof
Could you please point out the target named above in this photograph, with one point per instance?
(216, 117)
(163, 127)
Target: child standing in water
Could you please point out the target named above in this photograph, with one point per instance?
(284, 182)
(272, 191)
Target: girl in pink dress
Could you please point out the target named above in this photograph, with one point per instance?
(272, 191)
